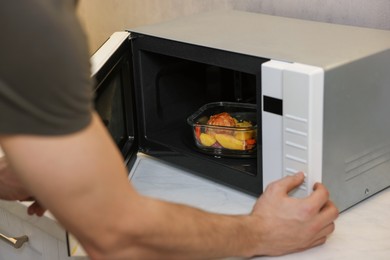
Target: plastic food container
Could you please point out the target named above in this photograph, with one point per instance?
(225, 129)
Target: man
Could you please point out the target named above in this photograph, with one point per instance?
(58, 153)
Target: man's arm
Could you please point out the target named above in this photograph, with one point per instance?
(82, 180)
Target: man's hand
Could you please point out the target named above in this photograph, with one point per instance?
(12, 189)
(290, 224)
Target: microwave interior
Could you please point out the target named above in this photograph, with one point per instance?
(172, 80)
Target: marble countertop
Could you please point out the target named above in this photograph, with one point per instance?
(362, 232)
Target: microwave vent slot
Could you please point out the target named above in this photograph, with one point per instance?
(366, 161)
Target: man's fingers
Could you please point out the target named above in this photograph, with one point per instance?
(319, 197)
(328, 213)
(36, 209)
(288, 183)
(327, 230)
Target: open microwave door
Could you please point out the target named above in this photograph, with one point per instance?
(112, 70)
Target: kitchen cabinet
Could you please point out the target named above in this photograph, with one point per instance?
(47, 240)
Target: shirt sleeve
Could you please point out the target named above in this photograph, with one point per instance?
(45, 84)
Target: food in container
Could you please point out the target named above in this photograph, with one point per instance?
(226, 129)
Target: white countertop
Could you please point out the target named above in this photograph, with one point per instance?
(362, 232)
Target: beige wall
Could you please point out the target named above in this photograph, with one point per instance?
(101, 18)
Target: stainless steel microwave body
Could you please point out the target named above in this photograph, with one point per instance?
(322, 93)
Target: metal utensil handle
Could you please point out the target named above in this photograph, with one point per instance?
(16, 242)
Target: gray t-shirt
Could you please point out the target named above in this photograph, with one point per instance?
(45, 85)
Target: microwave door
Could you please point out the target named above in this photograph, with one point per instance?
(112, 71)
(292, 117)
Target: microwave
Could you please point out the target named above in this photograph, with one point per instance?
(321, 94)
